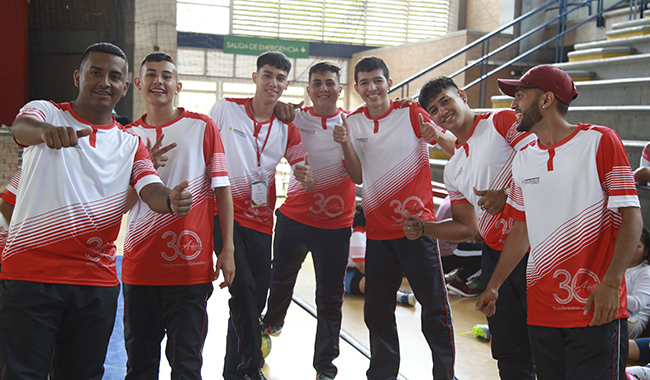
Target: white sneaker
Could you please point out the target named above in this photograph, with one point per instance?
(405, 297)
(639, 372)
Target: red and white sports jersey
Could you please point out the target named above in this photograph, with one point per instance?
(243, 137)
(163, 249)
(9, 196)
(395, 166)
(569, 195)
(331, 204)
(70, 202)
(484, 161)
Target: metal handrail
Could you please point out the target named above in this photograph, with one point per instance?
(563, 10)
(532, 50)
(472, 45)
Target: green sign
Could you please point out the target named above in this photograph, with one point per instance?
(257, 46)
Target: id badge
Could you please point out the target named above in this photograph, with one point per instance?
(259, 193)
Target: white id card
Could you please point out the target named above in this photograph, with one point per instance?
(259, 193)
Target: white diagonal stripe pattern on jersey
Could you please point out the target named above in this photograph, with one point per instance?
(241, 186)
(620, 178)
(141, 167)
(567, 241)
(325, 178)
(217, 162)
(63, 223)
(394, 180)
(152, 222)
(501, 180)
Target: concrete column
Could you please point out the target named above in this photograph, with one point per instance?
(154, 30)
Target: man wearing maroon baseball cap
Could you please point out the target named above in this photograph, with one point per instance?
(575, 204)
(546, 78)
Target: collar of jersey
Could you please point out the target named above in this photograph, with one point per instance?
(393, 105)
(311, 111)
(145, 125)
(68, 107)
(465, 146)
(580, 127)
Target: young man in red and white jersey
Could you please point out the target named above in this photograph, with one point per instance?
(574, 201)
(255, 142)
(385, 150)
(318, 222)
(486, 146)
(168, 269)
(59, 281)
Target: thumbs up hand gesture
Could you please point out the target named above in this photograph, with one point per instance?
(304, 175)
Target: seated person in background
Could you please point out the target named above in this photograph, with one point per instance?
(637, 279)
(355, 279)
(639, 353)
(642, 174)
(464, 256)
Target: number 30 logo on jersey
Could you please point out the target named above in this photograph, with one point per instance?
(410, 204)
(187, 245)
(98, 245)
(332, 206)
(578, 286)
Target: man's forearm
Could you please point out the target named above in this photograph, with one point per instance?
(226, 215)
(514, 249)
(28, 130)
(447, 143)
(626, 241)
(450, 230)
(155, 196)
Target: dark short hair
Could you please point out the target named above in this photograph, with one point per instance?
(433, 88)
(104, 47)
(158, 57)
(275, 59)
(368, 64)
(562, 108)
(359, 218)
(325, 67)
(645, 239)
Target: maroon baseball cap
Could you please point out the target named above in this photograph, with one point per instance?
(546, 78)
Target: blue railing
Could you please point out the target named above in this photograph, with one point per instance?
(564, 9)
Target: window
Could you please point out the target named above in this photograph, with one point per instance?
(360, 22)
(203, 16)
(369, 22)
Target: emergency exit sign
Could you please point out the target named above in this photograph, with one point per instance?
(257, 46)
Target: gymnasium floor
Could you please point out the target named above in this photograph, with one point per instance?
(291, 354)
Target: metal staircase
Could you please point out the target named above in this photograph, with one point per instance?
(612, 77)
